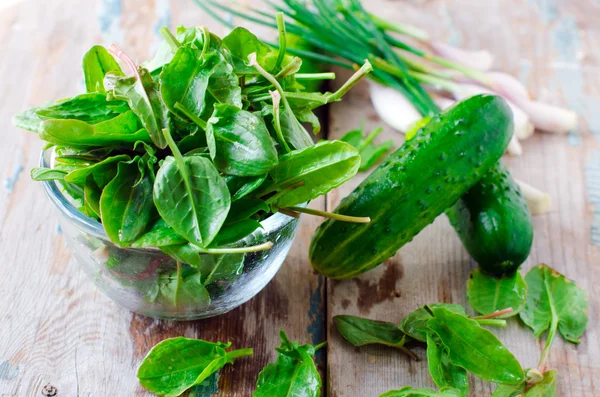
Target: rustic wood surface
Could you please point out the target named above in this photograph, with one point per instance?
(58, 331)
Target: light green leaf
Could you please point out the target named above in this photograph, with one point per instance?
(96, 63)
(361, 331)
(410, 392)
(442, 371)
(487, 294)
(415, 324)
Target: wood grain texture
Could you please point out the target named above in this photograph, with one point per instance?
(57, 328)
(548, 44)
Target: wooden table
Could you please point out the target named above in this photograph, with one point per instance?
(57, 331)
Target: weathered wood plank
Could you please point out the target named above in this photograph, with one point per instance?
(57, 328)
(547, 44)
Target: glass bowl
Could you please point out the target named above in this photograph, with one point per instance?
(149, 282)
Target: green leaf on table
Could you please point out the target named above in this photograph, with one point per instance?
(174, 365)
(554, 299)
(474, 348)
(243, 145)
(142, 94)
(488, 294)
(361, 331)
(319, 168)
(159, 235)
(47, 174)
(415, 324)
(410, 392)
(96, 63)
(185, 80)
(369, 153)
(293, 374)
(92, 108)
(240, 187)
(124, 129)
(545, 388)
(102, 172)
(442, 371)
(126, 204)
(192, 198)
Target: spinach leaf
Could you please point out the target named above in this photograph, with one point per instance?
(102, 172)
(91, 195)
(293, 374)
(180, 290)
(487, 294)
(29, 120)
(369, 153)
(159, 235)
(415, 324)
(142, 94)
(474, 348)
(192, 198)
(240, 187)
(243, 144)
(361, 331)
(442, 371)
(410, 392)
(96, 63)
(235, 231)
(545, 388)
(176, 364)
(185, 79)
(241, 43)
(126, 204)
(120, 130)
(227, 267)
(47, 174)
(223, 84)
(320, 168)
(92, 108)
(554, 302)
(244, 209)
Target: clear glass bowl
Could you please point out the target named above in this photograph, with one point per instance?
(148, 282)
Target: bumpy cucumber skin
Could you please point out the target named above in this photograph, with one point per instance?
(418, 182)
(494, 223)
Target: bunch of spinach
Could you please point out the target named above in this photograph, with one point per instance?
(190, 151)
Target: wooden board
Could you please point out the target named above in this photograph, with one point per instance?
(58, 330)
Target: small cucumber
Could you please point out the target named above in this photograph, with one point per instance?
(418, 182)
(494, 223)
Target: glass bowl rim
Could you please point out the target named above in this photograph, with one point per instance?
(95, 228)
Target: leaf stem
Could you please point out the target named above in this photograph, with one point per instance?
(236, 250)
(315, 76)
(269, 77)
(170, 38)
(359, 74)
(495, 314)
(294, 64)
(206, 40)
(282, 39)
(551, 331)
(240, 353)
(330, 215)
(277, 120)
(491, 322)
(201, 123)
(289, 213)
(283, 191)
(369, 139)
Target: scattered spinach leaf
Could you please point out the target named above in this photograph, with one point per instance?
(487, 294)
(442, 371)
(410, 392)
(415, 324)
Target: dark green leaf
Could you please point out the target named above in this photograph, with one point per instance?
(179, 290)
(550, 292)
(487, 294)
(120, 130)
(244, 209)
(293, 132)
(240, 187)
(96, 63)
(223, 84)
(415, 324)
(143, 96)
(293, 374)
(126, 205)
(174, 365)
(361, 331)
(442, 371)
(226, 268)
(47, 174)
(474, 348)
(160, 234)
(92, 194)
(243, 144)
(192, 198)
(353, 137)
(306, 115)
(320, 168)
(234, 232)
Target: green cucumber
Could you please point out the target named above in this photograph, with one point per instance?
(494, 223)
(418, 182)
